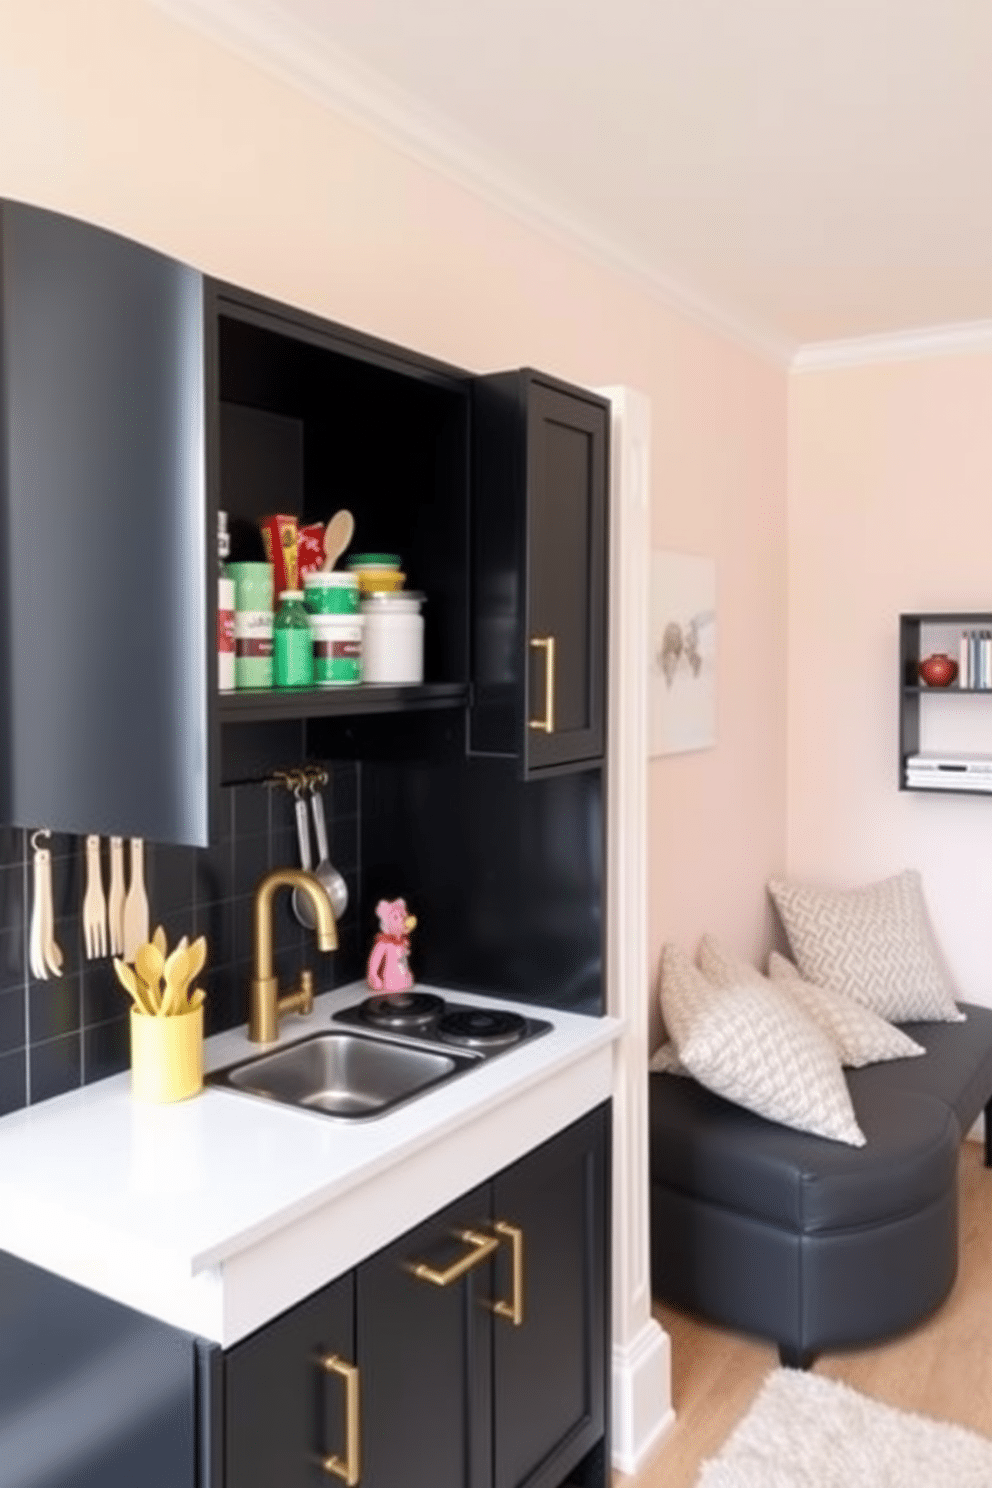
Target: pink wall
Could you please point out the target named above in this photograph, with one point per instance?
(890, 511)
(112, 112)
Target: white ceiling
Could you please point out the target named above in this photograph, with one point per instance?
(799, 170)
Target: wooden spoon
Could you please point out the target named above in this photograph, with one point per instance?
(337, 535)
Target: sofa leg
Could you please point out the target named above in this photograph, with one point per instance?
(988, 1135)
(793, 1358)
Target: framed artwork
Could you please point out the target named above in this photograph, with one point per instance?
(681, 654)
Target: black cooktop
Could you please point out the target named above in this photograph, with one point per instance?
(427, 1017)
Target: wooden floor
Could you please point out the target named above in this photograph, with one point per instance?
(943, 1368)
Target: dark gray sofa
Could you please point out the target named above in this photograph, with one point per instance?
(809, 1243)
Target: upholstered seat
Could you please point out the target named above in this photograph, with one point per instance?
(812, 1243)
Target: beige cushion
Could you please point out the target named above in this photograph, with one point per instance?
(874, 943)
(753, 1045)
(665, 1060)
(861, 1036)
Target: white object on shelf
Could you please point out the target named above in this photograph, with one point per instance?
(393, 648)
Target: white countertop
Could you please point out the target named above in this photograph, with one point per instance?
(217, 1213)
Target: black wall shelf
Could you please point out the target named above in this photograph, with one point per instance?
(914, 645)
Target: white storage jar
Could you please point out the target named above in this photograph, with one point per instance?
(393, 643)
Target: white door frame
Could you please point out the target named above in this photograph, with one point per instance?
(641, 1385)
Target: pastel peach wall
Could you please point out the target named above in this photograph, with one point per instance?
(114, 113)
(890, 511)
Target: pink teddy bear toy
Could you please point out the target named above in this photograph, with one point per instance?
(388, 968)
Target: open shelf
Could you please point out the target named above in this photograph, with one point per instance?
(935, 727)
(255, 706)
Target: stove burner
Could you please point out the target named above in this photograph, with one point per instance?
(401, 1010)
(481, 1028)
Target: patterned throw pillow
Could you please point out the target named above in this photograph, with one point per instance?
(665, 1060)
(861, 1036)
(751, 1044)
(874, 943)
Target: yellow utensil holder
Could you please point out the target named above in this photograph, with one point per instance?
(166, 1056)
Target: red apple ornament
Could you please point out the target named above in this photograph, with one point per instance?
(938, 670)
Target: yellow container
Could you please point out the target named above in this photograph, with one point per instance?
(379, 580)
(166, 1056)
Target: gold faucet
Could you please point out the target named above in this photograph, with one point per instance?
(265, 1002)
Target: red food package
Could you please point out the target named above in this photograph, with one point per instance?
(310, 549)
(279, 534)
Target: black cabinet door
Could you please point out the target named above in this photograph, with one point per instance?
(550, 1328)
(92, 1394)
(539, 559)
(292, 1397)
(424, 1350)
(103, 565)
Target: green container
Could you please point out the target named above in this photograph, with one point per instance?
(293, 642)
(253, 665)
(337, 649)
(333, 593)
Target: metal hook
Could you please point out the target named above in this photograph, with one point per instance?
(41, 832)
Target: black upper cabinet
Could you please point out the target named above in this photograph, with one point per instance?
(539, 564)
(138, 399)
(103, 564)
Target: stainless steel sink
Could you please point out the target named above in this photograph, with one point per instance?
(344, 1074)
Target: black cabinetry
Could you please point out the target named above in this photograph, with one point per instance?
(93, 1394)
(139, 398)
(103, 564)
(291, 1405)
(952, 725)
(306, 417)
(539, 556)
(479, 1346)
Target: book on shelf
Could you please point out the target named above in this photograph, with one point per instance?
(975, 660)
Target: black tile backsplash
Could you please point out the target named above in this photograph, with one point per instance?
(71, 1030)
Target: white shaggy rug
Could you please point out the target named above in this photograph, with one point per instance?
(806, 1432)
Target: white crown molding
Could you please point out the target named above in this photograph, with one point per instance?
(964, 338)
(261, 32)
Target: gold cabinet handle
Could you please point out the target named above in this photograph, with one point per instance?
(514, 1309)
(547, 645)
(349, 1467)
(481, 1246)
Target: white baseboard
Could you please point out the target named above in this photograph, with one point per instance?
(642, 1395)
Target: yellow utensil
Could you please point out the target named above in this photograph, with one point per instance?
(197, 959)
(131, 984)
(197, 999)
(159, 941)
(176, 981)
(182, 968)
(149, 965)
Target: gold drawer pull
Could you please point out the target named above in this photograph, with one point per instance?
(349, 1468)
(514, 1309)
(547, 645)
(481, 1247)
